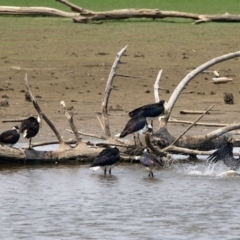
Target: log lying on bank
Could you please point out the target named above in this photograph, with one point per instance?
(191, 112)
(86, 17)
(82, 15)
(219, 80)
(36, 11)
(89, 16)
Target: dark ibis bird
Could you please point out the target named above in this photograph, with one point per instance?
(10, 137)
(29, 128)
(225, 153)
(137, 125)
(106, 159)
(150, 111)
(150, 161)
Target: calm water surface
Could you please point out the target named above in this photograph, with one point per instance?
(190, 201)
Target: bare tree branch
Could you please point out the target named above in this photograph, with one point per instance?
(156, 86)
(74, 7)
(36, 11)
(192, 125)
(88, 134)
(107, 93)
(71, 123)
(198, 123)
(41, 114)
(85, 15)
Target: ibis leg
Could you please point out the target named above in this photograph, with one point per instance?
(30, 140)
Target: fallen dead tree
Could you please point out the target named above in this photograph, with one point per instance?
(160, 142)
(82, 15)
(89, 16)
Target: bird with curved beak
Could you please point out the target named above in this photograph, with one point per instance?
(150, 161)
(10, 137)
(106, 159)
(225, 153)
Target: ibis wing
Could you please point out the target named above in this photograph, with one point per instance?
(223, 153)
(133, 125)
(135, 112)
(108, 156)
(150, 110)
(158, 161)
(150, 160)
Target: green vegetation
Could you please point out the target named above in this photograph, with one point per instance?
(196, 6)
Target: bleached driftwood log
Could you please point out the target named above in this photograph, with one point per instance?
(82, 15)
(36, 11)
(191, 112)
(88, 15)
(219, 80)
(107, 93)
(207, 124)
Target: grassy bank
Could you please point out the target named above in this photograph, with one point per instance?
(196, 6)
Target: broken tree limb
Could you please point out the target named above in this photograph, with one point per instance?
(218, 18)
(74, 7)
(199, 123)
(36, 11)
(82, 15)
(41, 114)
(71, 123)
(222, 131)
(13, 120)
(191, 112)
(108, 91)
(88, 134)
(192, 125)
(156, 86)
(186, 151)
(90, 16)
(219, 80)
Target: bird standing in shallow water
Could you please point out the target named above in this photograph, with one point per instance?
(225, 153)
(137, 124)
(150, 161)
(106, 158)
(29, 128)
(10, 137)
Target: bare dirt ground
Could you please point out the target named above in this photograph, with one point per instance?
(71, 62)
